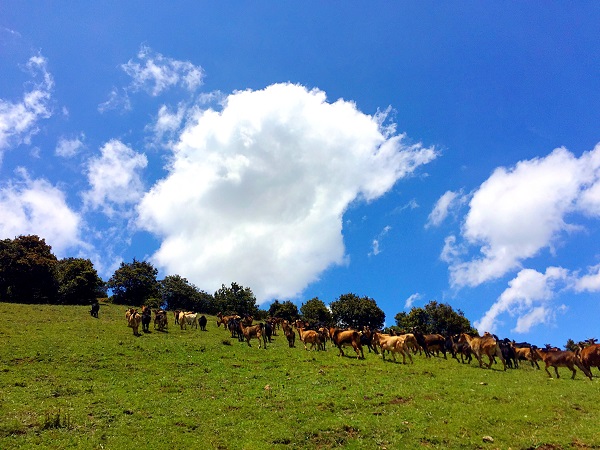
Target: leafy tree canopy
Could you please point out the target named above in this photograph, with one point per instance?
(236, 299)
(314, 310)
(349, 310)
(78, 281)
(285, 310)
(178, 293)
(435, 318)
(27, 270)
(134, 283)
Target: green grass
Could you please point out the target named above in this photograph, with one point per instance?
(68, 380)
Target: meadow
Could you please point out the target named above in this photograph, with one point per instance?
(68, 380)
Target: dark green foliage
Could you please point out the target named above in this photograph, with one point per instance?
(350, 310)
(314, 310)
(286, 310)
(178, 293)
(27, 271)
(435, 318)
(571, 345)
(236, 299)
(78, 282)
(134, 283)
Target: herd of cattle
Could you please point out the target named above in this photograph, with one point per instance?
(465, 346)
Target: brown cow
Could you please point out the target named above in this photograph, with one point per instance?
(590, 356)
(560, 358)
(347, 337)
(255, 331)
(394, 344)
(481, 346)
(310, 337)
(134, 319)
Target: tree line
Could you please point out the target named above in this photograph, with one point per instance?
(30, 273)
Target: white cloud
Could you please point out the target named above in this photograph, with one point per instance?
(115, 178)
(519, 211)
(443, 207)
(117, 99)
(68, 148)
(18, 121)
(375, 244)
(257, 191)
(527, 297)
(589, 282)
(36, 207)
(167, 123)
(154, 73)
(411, 300)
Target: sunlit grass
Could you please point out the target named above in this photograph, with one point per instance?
(68, 380)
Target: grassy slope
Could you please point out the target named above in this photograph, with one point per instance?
(68, 380)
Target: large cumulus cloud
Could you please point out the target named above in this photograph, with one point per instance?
(256, 192)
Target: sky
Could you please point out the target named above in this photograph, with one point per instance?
(403, 151)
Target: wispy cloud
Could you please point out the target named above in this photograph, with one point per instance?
(376, 250)
(410, 301)
(153, 73)
(445, 204)
(68, 148)
(19, 120)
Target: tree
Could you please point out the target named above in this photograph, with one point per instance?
(352, 311)
(571, 345)
(236, 299)
(435, 318)
(134, 283)
(27, 270)
(78, 281)
(314, 310)
(286, 310)
(178, 293)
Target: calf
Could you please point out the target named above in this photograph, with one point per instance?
(560, 358)
(290, 336)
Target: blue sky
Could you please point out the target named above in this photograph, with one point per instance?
(403, 151)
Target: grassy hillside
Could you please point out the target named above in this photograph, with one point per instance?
(68, 380)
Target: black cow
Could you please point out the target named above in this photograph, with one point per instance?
(95, 309)
(202, 322)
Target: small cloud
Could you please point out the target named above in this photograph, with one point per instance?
(444, 206)
(375, 244)
(19, 121)
(68, 148)
(411, 300)
(154, 73)
(117, 100)
(115, 179)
